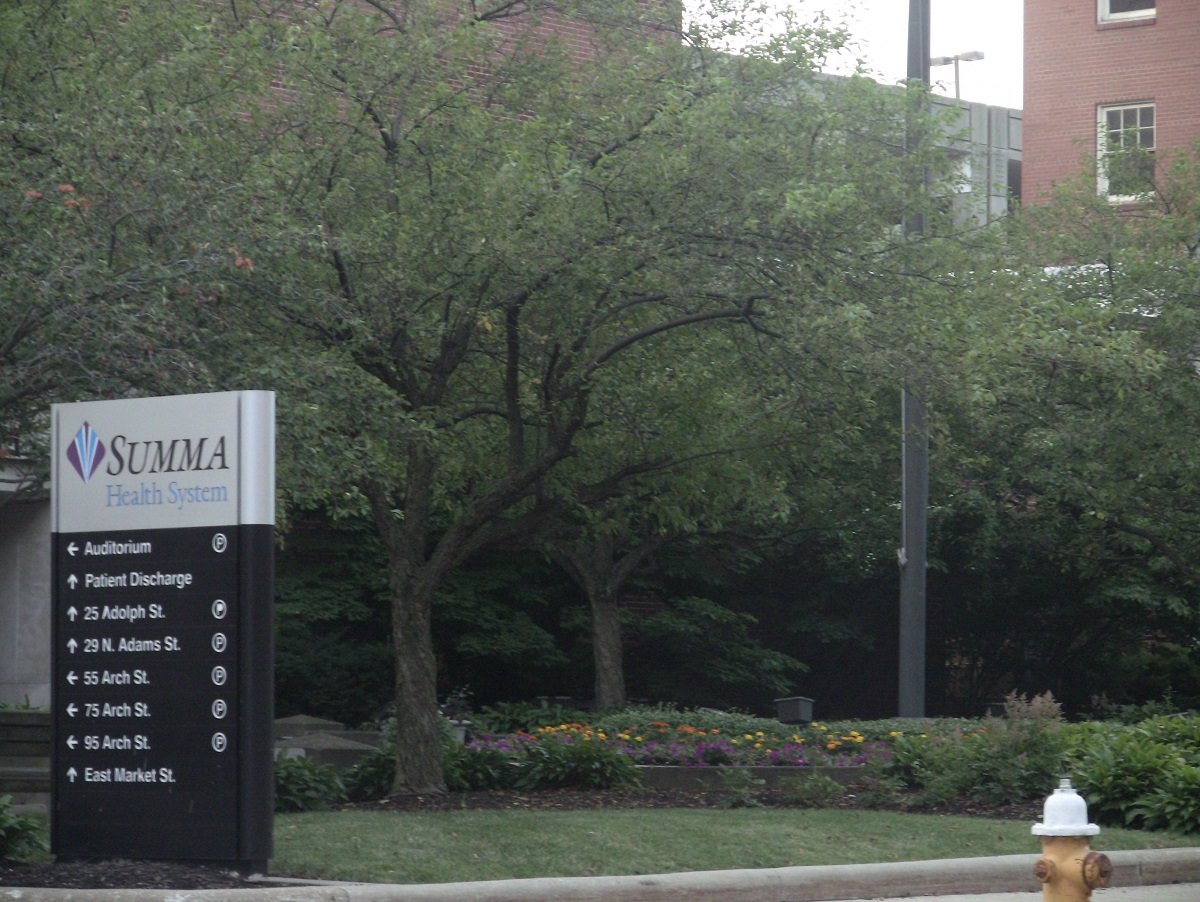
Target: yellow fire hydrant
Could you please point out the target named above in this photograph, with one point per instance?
(1068, 869)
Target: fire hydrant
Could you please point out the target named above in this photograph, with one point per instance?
(1068, 869)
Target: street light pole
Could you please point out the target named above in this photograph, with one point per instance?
(968, 57)
(915, 444)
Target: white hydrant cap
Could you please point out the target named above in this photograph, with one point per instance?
(1065, 814)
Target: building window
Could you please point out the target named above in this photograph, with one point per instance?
(1115, 10)
(1125, 152)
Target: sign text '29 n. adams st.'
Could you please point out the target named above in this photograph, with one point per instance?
(163, 521)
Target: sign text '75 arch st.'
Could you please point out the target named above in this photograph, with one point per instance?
(163, 512)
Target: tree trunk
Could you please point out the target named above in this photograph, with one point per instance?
(607, 650)
(418, 730)
(412, 582)
(593, 563)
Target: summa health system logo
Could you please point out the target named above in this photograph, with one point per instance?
(86, 452)
(132, 461)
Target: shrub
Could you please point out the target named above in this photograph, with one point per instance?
(740, 788)
(372, 777)
(302, 784)
(880, 791)
(1020, 756)
(554, 763)
(1173, 805)
(521, 717)
(1180, 731)
(474, 767)
(1114, 774)
(810, 791)
(1004, 759)
(20, 834)
(915, 759)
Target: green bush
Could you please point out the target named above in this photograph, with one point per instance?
(20, 834)
(469, 769)
(372, 777)
(504, 718)
(555, 764)
(302, 784)
(1180, 731)
(916, 758)
(1172, 805)
(810, 791)
(740, 788)
(1114, 774)
(1020, 756)
(1004, 759)
(875, 790)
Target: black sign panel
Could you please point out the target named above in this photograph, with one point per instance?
(163, 523)
(148, 638)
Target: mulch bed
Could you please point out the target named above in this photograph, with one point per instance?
(175, 875)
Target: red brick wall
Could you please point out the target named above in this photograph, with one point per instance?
(543, 22)
(1073, 65)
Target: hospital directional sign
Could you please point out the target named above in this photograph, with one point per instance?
(163, 513)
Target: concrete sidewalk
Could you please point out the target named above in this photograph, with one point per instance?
(1161, 875)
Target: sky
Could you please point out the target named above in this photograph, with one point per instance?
(956, 26)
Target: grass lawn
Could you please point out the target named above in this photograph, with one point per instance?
(437, 847)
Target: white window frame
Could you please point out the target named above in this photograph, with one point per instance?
(1103, 151)
(1104, 12)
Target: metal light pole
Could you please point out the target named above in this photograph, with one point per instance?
(968, 57)
(915, 459)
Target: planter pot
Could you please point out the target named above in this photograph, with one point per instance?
(794, 709)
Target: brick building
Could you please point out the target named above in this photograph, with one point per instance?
(1116, 81)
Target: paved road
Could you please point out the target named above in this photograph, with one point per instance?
(1178, 892)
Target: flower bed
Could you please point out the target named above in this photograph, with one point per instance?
(661, 744)
(683, 745)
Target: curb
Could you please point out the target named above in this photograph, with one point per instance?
(1003, 874)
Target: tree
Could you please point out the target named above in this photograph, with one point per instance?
(471, 261)
(1068, 517)
(446, 237)
(115, 119)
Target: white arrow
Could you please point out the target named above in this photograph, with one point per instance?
(72, 548)
(72, 580)
(72, 613)
(71, 709)
(72, 742)
(72, 774)
(72, 645)
(72, 678)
